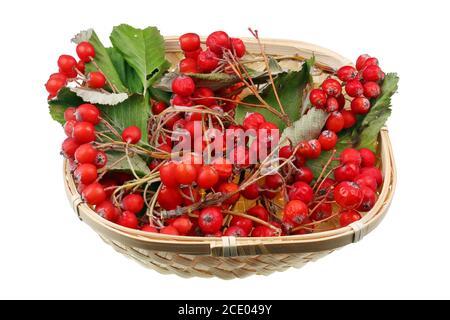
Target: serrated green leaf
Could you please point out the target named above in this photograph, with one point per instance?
(64, 100)
(369, 136)
(160, 95)
(290, 86)
(307, 127)
(120, 163)
(119, 63)
(143, 50)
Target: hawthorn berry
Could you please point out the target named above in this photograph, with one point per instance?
(207, 61)
(183, 86)
(372, 73)
(285, 152)
(189, 42)
(235, 231)
(210, 220)
(368, 158)
(230, 188)
(178, 100)
(259, 212)
(190, 196)
(322, 212)
(368, 200)
(346, 73)
(193, 54)
(274, 181)
(94, 193)
(69, 114)
(361, 61)
(69, 147)
(348, 195)
(263, 231)
(96, 80)
(354, 88)
(66, 64)
(107, 211)
(348, 217)
(169, 230)
(371, 90)
(318, 98)
(325, 187)
(88, 112)
(188, 65)
(83, 132)
(149, 228)
(346, 172)
(54, 85)
(207, 177)
(59, 75)
(167, 176)
(133, 202)
(349, 119)
(128, 219)
(335, 122)
(85, 51)
(370, 62)
(158, 107)
(101, 159)
(68, 127)
(86, 153)
(332, 87)
(315, 149)
(86, 173)
(203, 96)
(332, 105)
(131, 134)
(365, 180)
(223, 167)
(360, 105)
(304, 174)
(183, 225)
(218, 41)
(81, 67)
(251, 192)
(295, 212)
(185, 173)
(253, 121)
(350, 155)
(374, 172)
(238, 46)
(328, 140)
(301, 191)
(169, 198)
(244, 223)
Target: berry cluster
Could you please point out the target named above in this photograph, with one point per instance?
(71, 70)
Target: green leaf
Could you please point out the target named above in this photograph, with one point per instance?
(160, 95)
(307, 127)
(369, 136)
(119, 63)
(143, 50)
(64, 100)
(214, 81)
(132, 112)
(103, 60)
(120, 163)
(290, 87)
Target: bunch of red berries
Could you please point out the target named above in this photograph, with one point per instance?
(72, 70)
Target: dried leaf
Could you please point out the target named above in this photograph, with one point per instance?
(84, 35)
(96, 96)
(308, 127)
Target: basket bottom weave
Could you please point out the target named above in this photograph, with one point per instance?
(222, 267)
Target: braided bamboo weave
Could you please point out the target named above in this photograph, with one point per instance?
(230, 257)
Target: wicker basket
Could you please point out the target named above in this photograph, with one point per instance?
(230, 257)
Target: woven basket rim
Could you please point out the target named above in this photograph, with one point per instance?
(231, 246)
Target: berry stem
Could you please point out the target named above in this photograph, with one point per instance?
(325, 168)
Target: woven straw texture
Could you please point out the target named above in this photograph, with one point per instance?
(230, 257)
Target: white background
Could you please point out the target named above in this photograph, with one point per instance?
(45, 252)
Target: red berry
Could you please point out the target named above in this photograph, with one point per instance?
(94, 193)
(361, 61)
(207, 61)
(369, 199)
(54, 85)
(244, 223)
(183, 86)
(372, 73)
(86, 173)
(133, 202)
(158, 107)
(371, 90)
(86, 153)
(259, 212)
(360, 105)
(314, 149)
(238, 46)
(189, 42)
(96, 80)
(295, 212)
(304, 174)
(203, 96)
(207, 177)
(107, 211)
(192, 54)
(68, 127)
(304, 149)
(335, 122)
(230, 188)
(346, 73)
(217, 41)
(69, 114)
(332, 105)
(348, 217)
(185, 173)
(167, 176)
(178, 100)
(81, 66)
(59, 75)
(169, 230)
(190, 196)
(169, 198)
(349, 119)
(374, 172)
(149, 228)
(83, 132)
(325, 187)
(368, 157)
(131, 134)
(324, 211)
(354, 88)
(318, 98)
(183, 225)
(370, 62)
(223, 167)
(128, 219)
(346, 172)
(350, 155)
(301, 191)
(328, 140)
(101, 159)
(66, 64)
(341, 101)
(253, 121)
(235, 231)
(251, 192)
(285, 152)
(88, 112)
(69, 146)
(332, 87)
(188, 65)
(85, 51)
(365, 180)
(348, 195)
(263, 231)
(274, 181)
(210, 220)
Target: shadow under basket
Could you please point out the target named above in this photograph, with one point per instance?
(230, 257)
